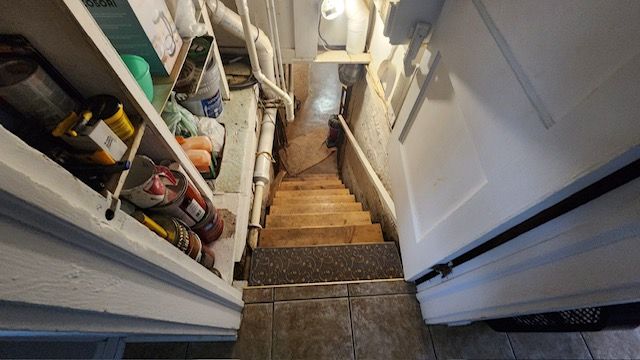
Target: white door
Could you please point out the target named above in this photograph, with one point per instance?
(524, 103)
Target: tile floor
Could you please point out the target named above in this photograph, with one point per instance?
(378, 320)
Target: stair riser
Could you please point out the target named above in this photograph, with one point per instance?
(305, 193)
(284, 187)
(290, 237)
(333, 199)
(334, 219)
(312, 177)
(315, 208)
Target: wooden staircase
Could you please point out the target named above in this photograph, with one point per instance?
(313, 210)
(316, 232)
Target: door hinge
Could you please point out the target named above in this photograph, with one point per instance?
(443, 269)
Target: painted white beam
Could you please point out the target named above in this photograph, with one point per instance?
(384, 195)
(60, 255)
(587, 257)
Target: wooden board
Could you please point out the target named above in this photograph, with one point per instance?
(315, 208)
(314, 199)
(312, 177)
(323, 192)
(314, 220)
(294, 183)
(302, 185)
(289, 237)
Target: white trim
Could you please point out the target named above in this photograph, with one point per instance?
(587, 257)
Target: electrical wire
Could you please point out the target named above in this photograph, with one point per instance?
(325, 44)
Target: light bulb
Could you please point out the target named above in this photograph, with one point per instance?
(331, 9)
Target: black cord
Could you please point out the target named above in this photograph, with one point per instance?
(325, 45)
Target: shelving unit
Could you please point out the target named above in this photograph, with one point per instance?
(162, 86)
(103, 71)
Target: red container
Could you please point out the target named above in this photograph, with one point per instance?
(183, 201)
(211, 227)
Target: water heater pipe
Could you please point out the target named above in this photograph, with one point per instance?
(357, 13)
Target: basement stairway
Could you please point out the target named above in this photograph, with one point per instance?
(316, 232)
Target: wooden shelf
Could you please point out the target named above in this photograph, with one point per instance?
(162, 86)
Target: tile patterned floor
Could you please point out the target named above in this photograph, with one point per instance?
(379, 320)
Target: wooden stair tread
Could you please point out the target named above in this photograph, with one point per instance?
(311, 176)
(315, 208)
(348, 234)
(327, 219)
(311, 182)
(304, 186)
(314, 199)
(318, 192)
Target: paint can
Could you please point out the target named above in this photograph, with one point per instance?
(183, 201)
(110, 110)
(146, 183)
(211, 227)
(29, 89)
(208, 100)
(208, 258)
(183, 238)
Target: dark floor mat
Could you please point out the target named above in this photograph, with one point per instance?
(275, 266)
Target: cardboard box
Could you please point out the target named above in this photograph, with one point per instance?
(98, 138)
(139, 27)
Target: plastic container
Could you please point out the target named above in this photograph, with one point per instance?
(211, 227)
(29, 89)
(110, 110)
(183, 201)
(195, 142)
(139, 68)
(201, 159)
(207, 101)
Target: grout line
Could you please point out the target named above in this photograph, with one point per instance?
(511, 345)
(433, 344)
(586, 344)
(353, 337)
(273, 328)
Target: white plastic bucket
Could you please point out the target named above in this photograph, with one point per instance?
(208, 100)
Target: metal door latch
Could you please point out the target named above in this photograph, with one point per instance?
(443, 269)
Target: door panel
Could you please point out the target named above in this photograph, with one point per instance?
(478, 157)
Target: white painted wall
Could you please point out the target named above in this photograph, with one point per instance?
(530, 101)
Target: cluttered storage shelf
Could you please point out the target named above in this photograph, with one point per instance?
(126, 116)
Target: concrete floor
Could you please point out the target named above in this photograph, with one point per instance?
(322, 100)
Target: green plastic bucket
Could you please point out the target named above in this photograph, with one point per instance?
(139, 68)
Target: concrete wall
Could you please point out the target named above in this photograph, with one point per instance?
(369, 119)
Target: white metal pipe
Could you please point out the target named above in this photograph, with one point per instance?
(243, 10)
(256, 211)
(271, 20)
(276, 44)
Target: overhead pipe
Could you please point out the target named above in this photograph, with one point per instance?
(261, 56)
(269, 82)
(276, 36)
(357, 13)
(273, 41)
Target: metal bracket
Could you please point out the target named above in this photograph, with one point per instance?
(443, 269)
(420, 33)
(113, 205)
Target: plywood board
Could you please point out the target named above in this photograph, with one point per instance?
(315, 220)
(314, 199)
(315, 208)
(289, 237)
(299, 193)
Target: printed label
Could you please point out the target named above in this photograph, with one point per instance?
(195, 210)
